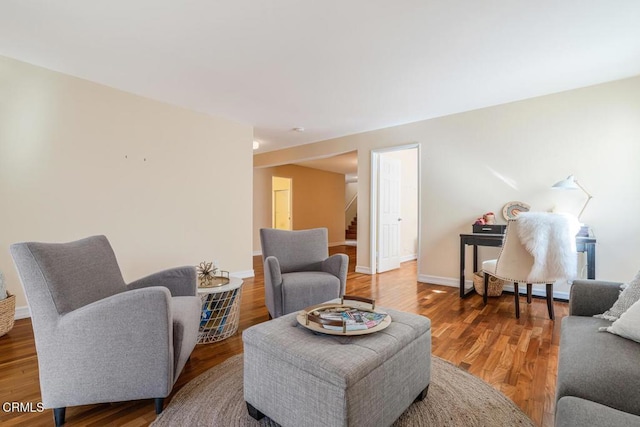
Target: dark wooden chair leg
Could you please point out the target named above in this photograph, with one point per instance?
(255, 413)
(516, 294)
(58, 416)
(422, 395)
(529, 292)
(552, 316)
(159, 402)
(486, 288)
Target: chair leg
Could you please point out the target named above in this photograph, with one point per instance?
(550, 301)
(422, 395)
(516, 293)
(254, 412)
(529, 292)
(159, 402)
(486, 288)
(58, 416)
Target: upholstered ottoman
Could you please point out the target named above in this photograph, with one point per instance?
(299, 378)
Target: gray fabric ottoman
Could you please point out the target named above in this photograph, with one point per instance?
(299, 378)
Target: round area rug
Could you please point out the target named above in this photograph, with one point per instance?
(455, 398)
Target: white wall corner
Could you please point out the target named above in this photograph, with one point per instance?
(363, 270)
(22, 312)
(410, 257)
(468, 284)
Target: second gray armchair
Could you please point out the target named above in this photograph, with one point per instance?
(298, 271)
(97, 338)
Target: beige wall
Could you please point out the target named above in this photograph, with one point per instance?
(166, 185)
(318, 200)
(477, 161)
(409, 203)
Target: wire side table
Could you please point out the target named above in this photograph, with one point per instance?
(220, 311)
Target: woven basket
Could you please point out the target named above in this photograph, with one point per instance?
(7, 313)
(494, 288)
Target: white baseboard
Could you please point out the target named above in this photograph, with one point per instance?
(22, 312)
(468, 284)
(363, 270)
(522, 289)
(243, 274)
(257, 253)
(342, 243)
(367, 270)
(351, 242)
(444, 281)
(410, 257)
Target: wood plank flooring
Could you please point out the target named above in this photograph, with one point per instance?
(516, 356)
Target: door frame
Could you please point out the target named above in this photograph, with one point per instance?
(374, 209)
(290, 201)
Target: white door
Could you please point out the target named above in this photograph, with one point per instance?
(282, 209)
(389, 214)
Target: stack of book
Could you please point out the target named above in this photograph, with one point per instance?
(357, 320)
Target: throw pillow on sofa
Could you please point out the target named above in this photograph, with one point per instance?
(627, 298)
(628, 325)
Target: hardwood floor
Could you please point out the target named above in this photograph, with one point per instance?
(516, 356)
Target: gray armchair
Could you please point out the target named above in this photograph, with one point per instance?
(97, 338)
(298, 271)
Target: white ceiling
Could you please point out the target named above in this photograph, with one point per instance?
(334, 67)
(346, 164)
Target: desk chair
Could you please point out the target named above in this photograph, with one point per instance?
(539, 248)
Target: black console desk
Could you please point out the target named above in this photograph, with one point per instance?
(583, 244)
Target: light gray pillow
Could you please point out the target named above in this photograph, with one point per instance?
(629, 295)
(628, 325)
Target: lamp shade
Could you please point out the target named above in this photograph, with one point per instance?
(571, 183)
(568, 183)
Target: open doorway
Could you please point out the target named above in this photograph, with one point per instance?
(395, 182)
(317, 195)
(281, 203)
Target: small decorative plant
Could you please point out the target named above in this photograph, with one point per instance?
(489, 219)
(206, 272)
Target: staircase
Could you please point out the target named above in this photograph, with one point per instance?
(351, 232)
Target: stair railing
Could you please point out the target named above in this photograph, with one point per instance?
(350, 211)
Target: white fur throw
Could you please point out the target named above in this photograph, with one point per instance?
(551, 239)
